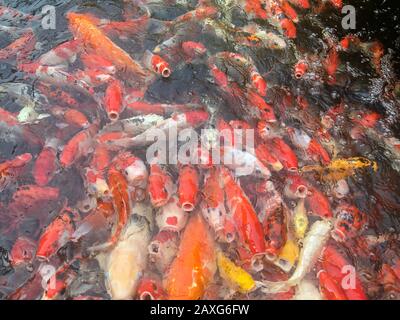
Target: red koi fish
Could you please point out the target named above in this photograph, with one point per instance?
(247, 225)
(113, 100)
(188, 187)
(213, 204)
(300, 69)
(157, 64)
(284, 153)
(336, 265)
(9, 169)
(318, 204)
(266, 110)
(150, 288)
(331, 64)
(20, 47)
(70, 116)
(161, 186)
(23, 251)
(349, 222)
(330, 289)
(46, 163)
(56, 235)
(77, 146)
(193, 49)
(64, 53)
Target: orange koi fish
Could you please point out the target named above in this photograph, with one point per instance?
(194, 267)
(95, 41)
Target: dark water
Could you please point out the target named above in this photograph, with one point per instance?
(377, 194)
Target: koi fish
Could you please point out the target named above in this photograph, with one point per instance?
(113, 100)
(70, 116)
(330, 289)
(349, 222)
(96, 42)
(195, 264)
(313, 244)
(188, 186)
(156, 63)
(56, 235)
(179, 121)
(23, 251)
(78, 146)
(341, 168)
(64, 53)
(212, 206)
(46, 163)
(97, 62)
(9, 169)
(333, 262)
(122, 204)
(163, 249)
(300, 219)
(236, 277)
(150, 288)
(127, 261)
(160, 186)
(243, 214)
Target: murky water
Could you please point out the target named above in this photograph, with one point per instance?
(361, 87)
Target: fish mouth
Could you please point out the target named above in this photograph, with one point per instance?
(187, 206)
(146, 295)
(298, 75)
(166, 73)
(154, 248)
(257, 263)
(113, 116)
(301, 191)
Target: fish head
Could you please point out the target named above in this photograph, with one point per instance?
(171, 216)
